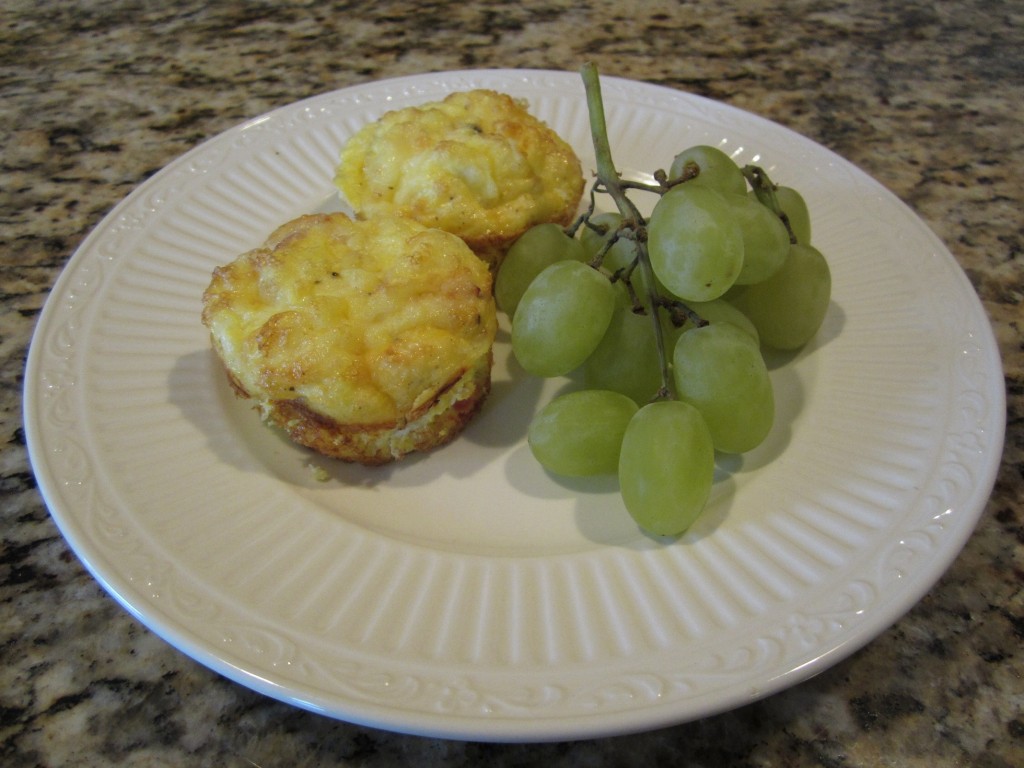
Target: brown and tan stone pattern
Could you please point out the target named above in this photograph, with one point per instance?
(96, 96)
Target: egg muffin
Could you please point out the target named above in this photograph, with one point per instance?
(363, 340)
(476, 164)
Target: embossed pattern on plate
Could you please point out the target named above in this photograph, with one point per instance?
(466, 593)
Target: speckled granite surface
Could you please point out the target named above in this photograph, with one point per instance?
(97, 96)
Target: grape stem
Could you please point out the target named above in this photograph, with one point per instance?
(613, 184)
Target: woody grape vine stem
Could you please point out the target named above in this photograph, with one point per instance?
(609, 178)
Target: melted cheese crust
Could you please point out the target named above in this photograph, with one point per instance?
(359, 322)
(476, 164)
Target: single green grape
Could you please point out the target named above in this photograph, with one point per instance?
(538, 247)
(626, 359)
(622, 251)
(561, 318)
(717, 169)
(621, 255)
(723, 375)
(792, 204)
(789, 307)
(765, 239)
(580, 433)
(666, 467)
(695, 243)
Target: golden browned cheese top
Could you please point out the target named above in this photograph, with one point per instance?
(477, 164)
(363, 321)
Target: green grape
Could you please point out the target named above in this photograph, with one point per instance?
(695, 243)
(537, 248)
(666, 466)
(722, 374)
(765, 239)
(717, 169)
(790, 306)
(620, 254)
(591, 239)
(715, 311)
(561, 318)
(580, 433)
(792, 204)
(626, 360)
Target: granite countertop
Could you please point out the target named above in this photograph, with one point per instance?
(97, 96)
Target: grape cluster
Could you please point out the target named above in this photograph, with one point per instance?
(663, 320)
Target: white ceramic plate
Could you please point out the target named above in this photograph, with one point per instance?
(465, 593)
